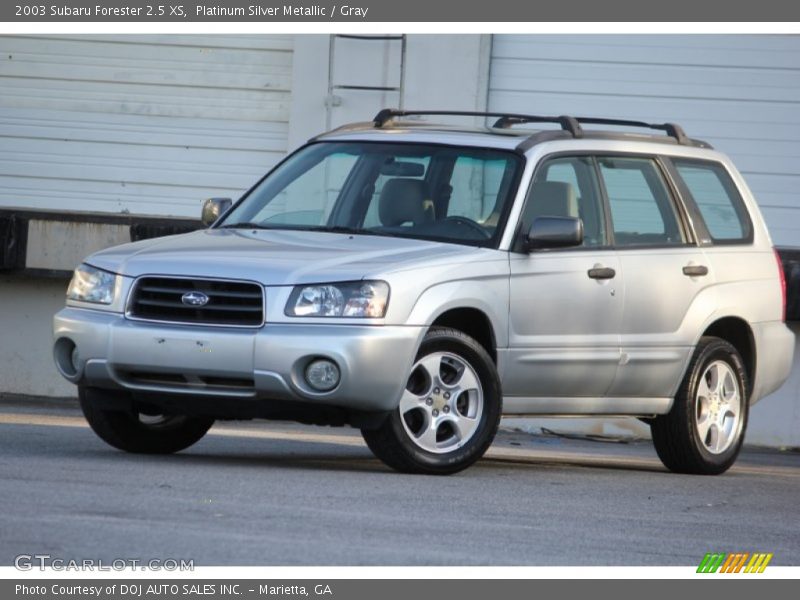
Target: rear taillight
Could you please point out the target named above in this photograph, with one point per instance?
(782, 275)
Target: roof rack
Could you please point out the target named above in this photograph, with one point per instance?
(506, 120)
(567, 123)
(671, 129)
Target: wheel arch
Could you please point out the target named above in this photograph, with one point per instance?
(478, 308)
(739, 334)
(473, 322)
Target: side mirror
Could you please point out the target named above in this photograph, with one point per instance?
(554, 232)
(213, 208)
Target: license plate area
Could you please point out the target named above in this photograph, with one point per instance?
(140, 348)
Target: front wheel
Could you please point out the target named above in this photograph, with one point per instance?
(141, 433)
(704, 431)
(449, 411)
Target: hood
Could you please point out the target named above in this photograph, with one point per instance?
(277, 257)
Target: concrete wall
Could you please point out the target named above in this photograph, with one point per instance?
(27, 306)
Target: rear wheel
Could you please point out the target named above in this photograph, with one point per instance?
(141, 433)
(704, 431)
(449, 411)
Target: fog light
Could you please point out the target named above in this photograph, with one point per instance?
(67, 359)
(322, 374)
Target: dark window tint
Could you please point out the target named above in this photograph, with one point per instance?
(567, 187)
(717, 199)
(642, 210)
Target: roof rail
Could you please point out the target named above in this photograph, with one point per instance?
(506, 120)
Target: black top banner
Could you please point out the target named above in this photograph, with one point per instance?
(440, 11)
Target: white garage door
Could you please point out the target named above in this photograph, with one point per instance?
(139, 124)
(740, 93)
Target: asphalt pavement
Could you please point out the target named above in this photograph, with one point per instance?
(262, 493)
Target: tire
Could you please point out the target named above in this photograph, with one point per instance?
(449, 412)
(704, 431)
(138, 433)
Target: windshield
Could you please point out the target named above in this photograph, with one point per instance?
(445, 193)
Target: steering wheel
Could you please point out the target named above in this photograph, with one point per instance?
(474, 225)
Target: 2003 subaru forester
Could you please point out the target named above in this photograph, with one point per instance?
(419, 281)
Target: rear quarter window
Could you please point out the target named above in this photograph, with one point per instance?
(718, 200)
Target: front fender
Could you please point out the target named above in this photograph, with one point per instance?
(490, 296)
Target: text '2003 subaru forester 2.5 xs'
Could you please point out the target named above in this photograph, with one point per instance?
(418, 281)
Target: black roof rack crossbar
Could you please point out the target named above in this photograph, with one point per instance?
(567, 123)
(506, 120)
(671, 129)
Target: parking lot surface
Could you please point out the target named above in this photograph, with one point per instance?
(276, 494)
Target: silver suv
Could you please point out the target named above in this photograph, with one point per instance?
(418, 281)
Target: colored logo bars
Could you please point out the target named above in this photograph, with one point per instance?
(734, 563)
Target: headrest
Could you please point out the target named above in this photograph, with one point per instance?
(554, 199)
(403, 200)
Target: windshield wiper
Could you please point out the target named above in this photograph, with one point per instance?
(245, 225)
(287, 227)
(342, 229)
(353, 230)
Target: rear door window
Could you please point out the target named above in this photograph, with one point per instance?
(642, 210)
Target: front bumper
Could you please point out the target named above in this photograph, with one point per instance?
(268, 363)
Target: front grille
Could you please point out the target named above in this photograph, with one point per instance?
(233, 303)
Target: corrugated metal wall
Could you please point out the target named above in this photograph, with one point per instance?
(140, 124)
(741, 93)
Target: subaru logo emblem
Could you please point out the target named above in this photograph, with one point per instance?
(194, 299)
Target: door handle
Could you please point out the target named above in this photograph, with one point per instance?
(695, 270)
(601, 273)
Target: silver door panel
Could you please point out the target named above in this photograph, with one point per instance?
(563, 325)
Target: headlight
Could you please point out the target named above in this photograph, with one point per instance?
(91, 285)
(349, 299)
